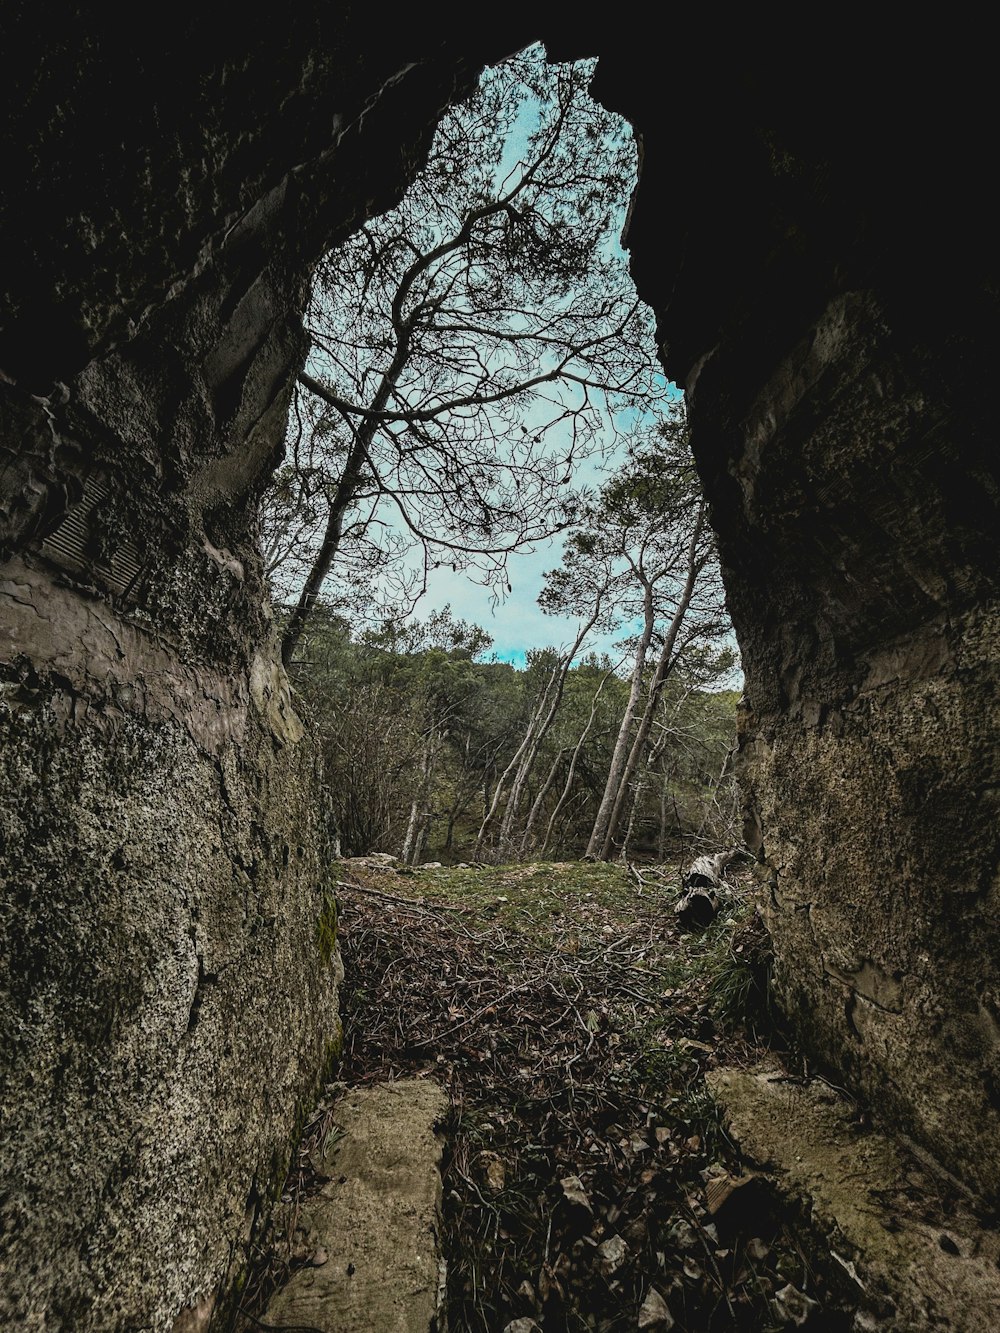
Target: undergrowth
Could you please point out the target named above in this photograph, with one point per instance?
(571, 1024)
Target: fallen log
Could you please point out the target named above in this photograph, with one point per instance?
(702, 882)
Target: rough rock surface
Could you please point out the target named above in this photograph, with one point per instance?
(169, 993)
(376, 1222)
(842, 409)
(167, 962)
(834, 320)
(917, 1262)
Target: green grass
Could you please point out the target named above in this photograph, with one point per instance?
(740, 988)
(550, 896)
(568, 905)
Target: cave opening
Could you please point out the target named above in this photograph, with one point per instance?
(482, 379)
(827, 296)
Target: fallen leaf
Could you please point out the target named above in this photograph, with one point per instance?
(794, 1305)
(574, 1193)
(612, 1252)
(654, 1313)
(492, 1172)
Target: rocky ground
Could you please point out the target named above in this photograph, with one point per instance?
(588, 1181)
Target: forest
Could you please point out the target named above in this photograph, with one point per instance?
(483, 379)
(433, 751)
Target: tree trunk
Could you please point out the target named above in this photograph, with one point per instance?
(410, 841)
(420, 813)
(357, 456)
(539, 800)
(498, 790)
(539, 726)
(703, 884)
(545, 725)
(571, 771)
(663, 665)
(661, 853)
(598, 834)
(640, 791)
(644, 779)
(346, 490)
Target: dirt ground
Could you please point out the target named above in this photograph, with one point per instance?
(588, 1181)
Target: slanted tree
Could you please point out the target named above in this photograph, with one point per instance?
(646, 543)
(511, 785)
(574, 752)
(470, 345)
(687, 759)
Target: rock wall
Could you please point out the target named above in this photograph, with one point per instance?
(168, 986)
(832, 313)
(828, 297)
(168, 1004)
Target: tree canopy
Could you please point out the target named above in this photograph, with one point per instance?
(469, 346)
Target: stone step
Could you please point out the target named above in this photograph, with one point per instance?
(376, 1222)
(909, 1241)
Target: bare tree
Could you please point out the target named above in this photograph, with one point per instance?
(539, 725)
(646, 542)
(470, 345)
(571, 767)
(626, 760)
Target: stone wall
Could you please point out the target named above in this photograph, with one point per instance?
(168, 1007)
(168, 992)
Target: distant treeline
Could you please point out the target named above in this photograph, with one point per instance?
(435, 750)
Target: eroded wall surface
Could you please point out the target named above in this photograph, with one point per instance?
(168, 978)
(825, 281)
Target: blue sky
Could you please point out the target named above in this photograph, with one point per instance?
(515, 622)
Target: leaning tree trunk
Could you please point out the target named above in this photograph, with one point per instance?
(571, 771)
(501, 785)
(545, 726)
(663, 665)
(346, 490)
(635, 809)
(539, 726)
(619, 756)
(539, 801)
